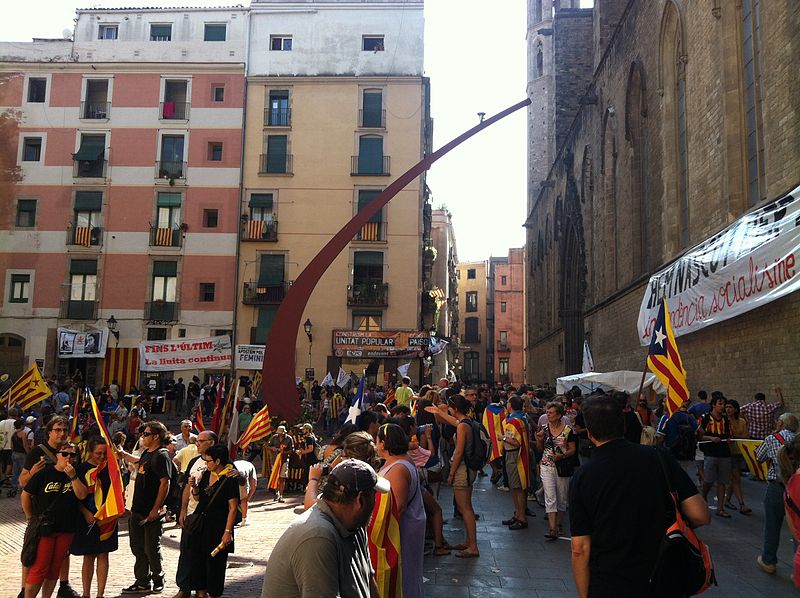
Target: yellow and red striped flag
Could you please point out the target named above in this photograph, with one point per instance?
(748, 449)
(275, 473)
(28, 390)
(260, 426)
(383, 534)
(164, 237)
(256, 386)
(83, 236)
(665, 362)
(517, 424)
(493, 417)
(112, 505)
(198, 419)
(389, 396)
(256, 229)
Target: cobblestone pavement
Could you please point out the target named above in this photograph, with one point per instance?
(510, 562)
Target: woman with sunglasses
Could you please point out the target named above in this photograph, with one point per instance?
(53, 494)
(94, 540)
(218, 498)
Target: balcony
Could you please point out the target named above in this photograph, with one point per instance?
(95, 110)
(369, 294)
(369, 166)
(165, 237)
(174, 110)
(281, 164)
(372, 119)
(258, 336)
(170, 169)
(85, 236)
(371, 231)
(254, 293)
(161, 311)
(78, 310)
(468, 338)
(503, 347)
(89, 169)
(261, 230)
(278, 117)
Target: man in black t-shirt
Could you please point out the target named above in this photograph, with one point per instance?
(615, 501)
(154, 470)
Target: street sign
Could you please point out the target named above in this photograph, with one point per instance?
(309, 374)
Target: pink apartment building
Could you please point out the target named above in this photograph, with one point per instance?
(509, 318)
(128, 143)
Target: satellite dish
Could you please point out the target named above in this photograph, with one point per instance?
(66, 33)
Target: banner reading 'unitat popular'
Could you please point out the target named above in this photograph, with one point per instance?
(747, 265)
(380, 343)
(185, 354)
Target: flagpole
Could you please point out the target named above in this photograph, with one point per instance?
(641, 382)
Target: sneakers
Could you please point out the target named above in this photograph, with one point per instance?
(65, 591)
(766, 567)
(137, 589)
(511, 521)
(157, 589)
(503, 488)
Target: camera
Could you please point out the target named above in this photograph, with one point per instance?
(326, 468)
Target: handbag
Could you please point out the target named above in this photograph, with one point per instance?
(192, 523)
(564, 467)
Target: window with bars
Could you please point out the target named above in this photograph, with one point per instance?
(207, 292)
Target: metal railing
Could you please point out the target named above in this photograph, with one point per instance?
(170, 169)
(89, 169)
(278, 117)
(78, 310)
(165, 237)
(372, 119)
(161, 311)
(275, 164)
(85, 236)
(373, 294)
(95, 110)
(364, 166)
(174, 110)
(260, 230)
(372, 231)
(254, 293)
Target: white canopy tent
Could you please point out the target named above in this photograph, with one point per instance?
(624, 380)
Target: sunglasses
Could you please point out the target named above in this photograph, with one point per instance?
(59, 430)
(68, 454)
(149, 434)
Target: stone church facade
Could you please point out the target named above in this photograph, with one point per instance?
(654, 125)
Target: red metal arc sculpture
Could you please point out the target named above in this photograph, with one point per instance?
(279, 389)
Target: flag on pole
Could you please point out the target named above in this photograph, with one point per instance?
(665, 362)
(28, 390)
(112, 505)
(403, 369)
(588, 362)
(260, 426)
(516, 425)
(383, 534)
(229, 404)
(233, 431)
(390, 398)
(256, 387)
(199, 426)
(493, 417)
(74, 437)
(216, 418)
(748, 449)
(327, 380)
(342, 378)
(357, 406)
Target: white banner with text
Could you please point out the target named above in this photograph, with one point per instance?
(185, 354)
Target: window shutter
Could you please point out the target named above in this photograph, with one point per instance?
(373, 104)
(83, 267)
(370, 155)
(270, 271)
(261, 200)
(88, 201)
(169, 200)
(91, 149)
(165, 268)
(368, 258)
(276, 153)
(364, 198)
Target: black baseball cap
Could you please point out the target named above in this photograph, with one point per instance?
(354, 474)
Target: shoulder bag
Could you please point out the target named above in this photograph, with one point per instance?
(192, 523)
(564, 467)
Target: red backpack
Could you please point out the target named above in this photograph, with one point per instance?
(684, 566)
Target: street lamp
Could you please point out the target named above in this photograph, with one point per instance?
(112, 327)
(307, 328)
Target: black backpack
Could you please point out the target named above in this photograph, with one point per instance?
(175, 493)
(685, 444)
(477, 456)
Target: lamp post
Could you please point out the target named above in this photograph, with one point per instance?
(307, 326)
(112, 327)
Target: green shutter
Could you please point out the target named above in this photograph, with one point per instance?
(270, 271)
(266, 316)
(83, 267)
(370, 155)
(88, 201)
(165, 268)
(90, 150)
(368, 258)
(276, 153)
(366, 196)
(169, 200)
(373, 105)
(261, 200)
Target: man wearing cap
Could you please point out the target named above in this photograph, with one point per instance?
(324, 552)
(281, 445)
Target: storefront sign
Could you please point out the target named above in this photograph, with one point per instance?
(747, 265)
(73, 344)
(380, 343)
(249, 357)
(185, 354)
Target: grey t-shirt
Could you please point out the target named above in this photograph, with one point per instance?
(316, 557)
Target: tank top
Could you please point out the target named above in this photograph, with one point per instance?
(17, 444)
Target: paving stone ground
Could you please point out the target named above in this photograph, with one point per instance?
(519, 564)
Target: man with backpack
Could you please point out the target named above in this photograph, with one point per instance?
(621, 507)
(679, 435)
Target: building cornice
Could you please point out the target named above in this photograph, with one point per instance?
(109, 68)
(334, 79)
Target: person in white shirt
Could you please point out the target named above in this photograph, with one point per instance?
(185, 437)
(248, 480)
(6, 432)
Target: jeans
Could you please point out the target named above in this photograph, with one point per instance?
(145, 541)
(17, 463)
(773, 521)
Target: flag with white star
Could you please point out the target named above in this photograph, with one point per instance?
(665, 362)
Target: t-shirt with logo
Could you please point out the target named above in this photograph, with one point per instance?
(153, 466)
(52, 491)
(719, 428)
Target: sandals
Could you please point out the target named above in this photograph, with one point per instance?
(511, 521)
(461, 546)
(552, 534)
(518, 525)
(463, 554)
(745, 510)
(442, 550)
(724, 514)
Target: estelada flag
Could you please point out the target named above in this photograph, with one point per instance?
(113, 503)
(275, 474)
(383, 535)
(199, 426)
(665, 362)
(517, 424)
(260, 426)
(389, 397)
(29, 389)
(493, 417)
(748, 449)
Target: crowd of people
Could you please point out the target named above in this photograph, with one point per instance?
(370, 485)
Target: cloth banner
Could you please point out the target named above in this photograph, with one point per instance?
(249, 357)
(588, 362)
(749, 264)
(748, 449)
(403, 369)
(122, 365)
(74, 344)
(186, 354)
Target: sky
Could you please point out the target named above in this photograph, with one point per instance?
(475, 57)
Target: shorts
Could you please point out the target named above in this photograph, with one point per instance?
(512, 472)
(284, 473)
(463, 477)
(717, 469)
